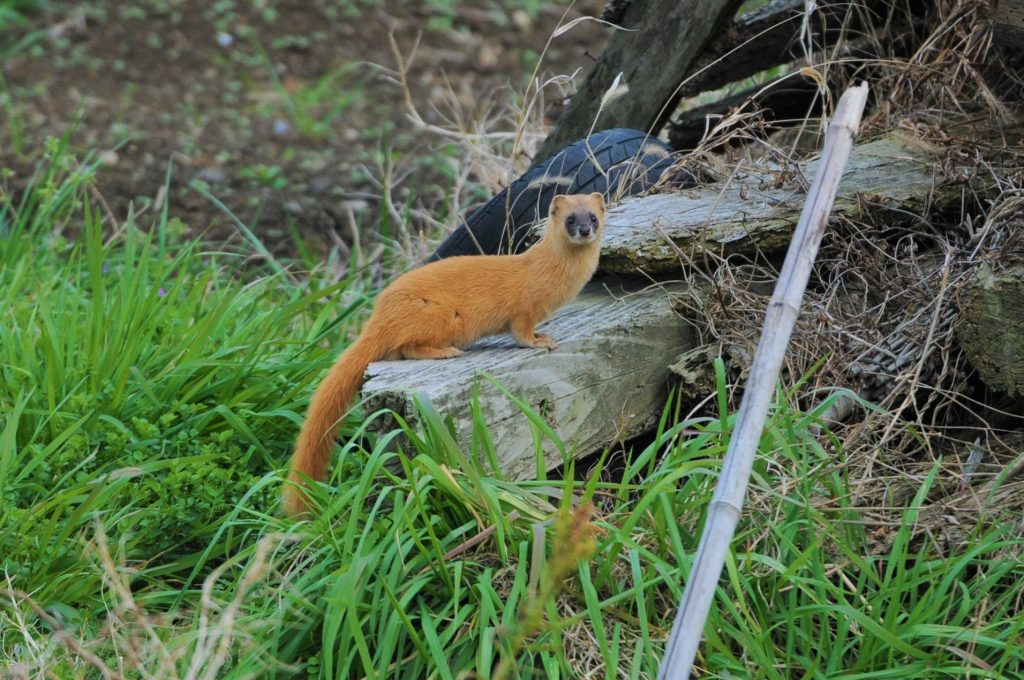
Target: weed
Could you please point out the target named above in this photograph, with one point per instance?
(13, 12)
(14, 15)
(269, 176)
(315, 108)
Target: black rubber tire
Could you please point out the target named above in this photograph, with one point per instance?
(616, 162)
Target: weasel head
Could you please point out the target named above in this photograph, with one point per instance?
(578, 218)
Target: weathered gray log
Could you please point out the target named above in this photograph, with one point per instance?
(606, 381)
(661, 41)
(756, 209)
(991, 329)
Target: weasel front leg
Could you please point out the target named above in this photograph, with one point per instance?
(431, 352)
(525, 334)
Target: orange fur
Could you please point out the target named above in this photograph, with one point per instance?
(433, 311)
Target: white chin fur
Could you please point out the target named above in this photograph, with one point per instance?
(582, 240)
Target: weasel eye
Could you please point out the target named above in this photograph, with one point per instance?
(570, 220)
(593, 218)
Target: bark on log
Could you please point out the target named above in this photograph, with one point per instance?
(661, 41)
(991, 328)
(769, 36)
(758, 40)
(606, 381)
(756, 209)
(1008, 23)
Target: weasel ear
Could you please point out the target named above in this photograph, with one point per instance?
(598, 198)
(558, 203)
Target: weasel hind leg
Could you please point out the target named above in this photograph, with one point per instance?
(422, 328)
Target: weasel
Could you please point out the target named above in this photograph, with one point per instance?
(433, 311)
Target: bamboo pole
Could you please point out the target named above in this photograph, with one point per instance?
(727, 501)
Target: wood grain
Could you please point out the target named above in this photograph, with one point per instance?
(758, 207)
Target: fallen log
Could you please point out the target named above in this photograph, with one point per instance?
(607, 380)
(992, 328)
(757, 208)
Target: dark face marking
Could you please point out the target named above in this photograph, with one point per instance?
(581, 226)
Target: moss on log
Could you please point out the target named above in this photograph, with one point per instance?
(991, 328)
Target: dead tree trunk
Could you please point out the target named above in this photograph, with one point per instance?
(770, 35)
(1008, 23)
(661, 40)
(681, 49)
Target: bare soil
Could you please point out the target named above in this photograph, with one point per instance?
(282, 110)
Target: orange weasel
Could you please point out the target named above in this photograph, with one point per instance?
(433, 311)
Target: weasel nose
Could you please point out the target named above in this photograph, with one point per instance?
(584, 231)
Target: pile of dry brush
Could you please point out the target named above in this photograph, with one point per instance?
(894, 301)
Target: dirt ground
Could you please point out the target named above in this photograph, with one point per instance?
(283, 110)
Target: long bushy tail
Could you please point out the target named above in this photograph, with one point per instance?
(330, 403)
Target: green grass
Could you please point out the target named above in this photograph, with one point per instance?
(15, 38)
(12, 12)
(316, 108)
(150, 390)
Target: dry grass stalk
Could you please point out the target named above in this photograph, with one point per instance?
(144, 641)
(60, 635)
(883, 309)
(727, 502)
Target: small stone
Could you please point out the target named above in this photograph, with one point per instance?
(489, 54)
(225, 39)
(293, 207)
(521, 19)
(211, 175)
(281, 127)
(108, 158)
(320, 185)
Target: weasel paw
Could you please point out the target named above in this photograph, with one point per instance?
(544, 340)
